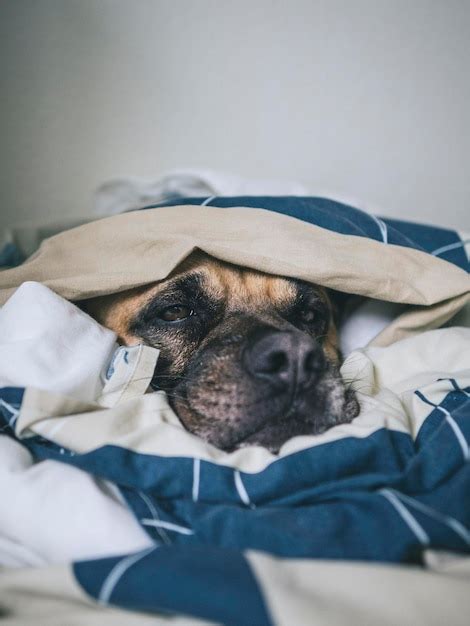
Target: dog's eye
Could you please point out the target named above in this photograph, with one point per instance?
(175, 313)
(308, 315)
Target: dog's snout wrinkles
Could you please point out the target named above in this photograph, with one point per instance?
(285, 359)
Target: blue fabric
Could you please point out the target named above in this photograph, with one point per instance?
(10, 256)
(205, 582)
(323, 502)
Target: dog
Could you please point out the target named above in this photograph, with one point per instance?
(246, 358)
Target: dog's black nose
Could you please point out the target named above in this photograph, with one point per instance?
(284, 358)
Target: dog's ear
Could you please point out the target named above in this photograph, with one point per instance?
(95, 307)
(116, 311)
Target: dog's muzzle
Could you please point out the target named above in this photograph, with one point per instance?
(262, 387)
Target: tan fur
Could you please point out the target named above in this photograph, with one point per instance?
(242, 290)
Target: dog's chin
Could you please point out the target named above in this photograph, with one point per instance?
(269, 427)
(296, 423)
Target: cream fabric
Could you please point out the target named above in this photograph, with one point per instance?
(124, 251)
(329, 593)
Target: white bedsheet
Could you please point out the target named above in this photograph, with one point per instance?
(49, 343)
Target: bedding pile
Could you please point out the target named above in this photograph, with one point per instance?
(108, 502)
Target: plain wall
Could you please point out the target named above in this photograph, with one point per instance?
(366, 101)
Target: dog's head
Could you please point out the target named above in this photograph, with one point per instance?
(245, 357)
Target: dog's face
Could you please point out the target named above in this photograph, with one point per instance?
(246, 358)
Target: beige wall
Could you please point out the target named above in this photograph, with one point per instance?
(362, 100)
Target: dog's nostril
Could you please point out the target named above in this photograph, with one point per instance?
(274, 363)
(312, 361)
(309, 366)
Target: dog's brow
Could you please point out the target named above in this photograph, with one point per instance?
(304, 290)
(188, 283)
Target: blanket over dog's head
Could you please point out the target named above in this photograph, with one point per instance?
(125, 251)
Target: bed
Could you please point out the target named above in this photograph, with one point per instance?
(366, 523)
